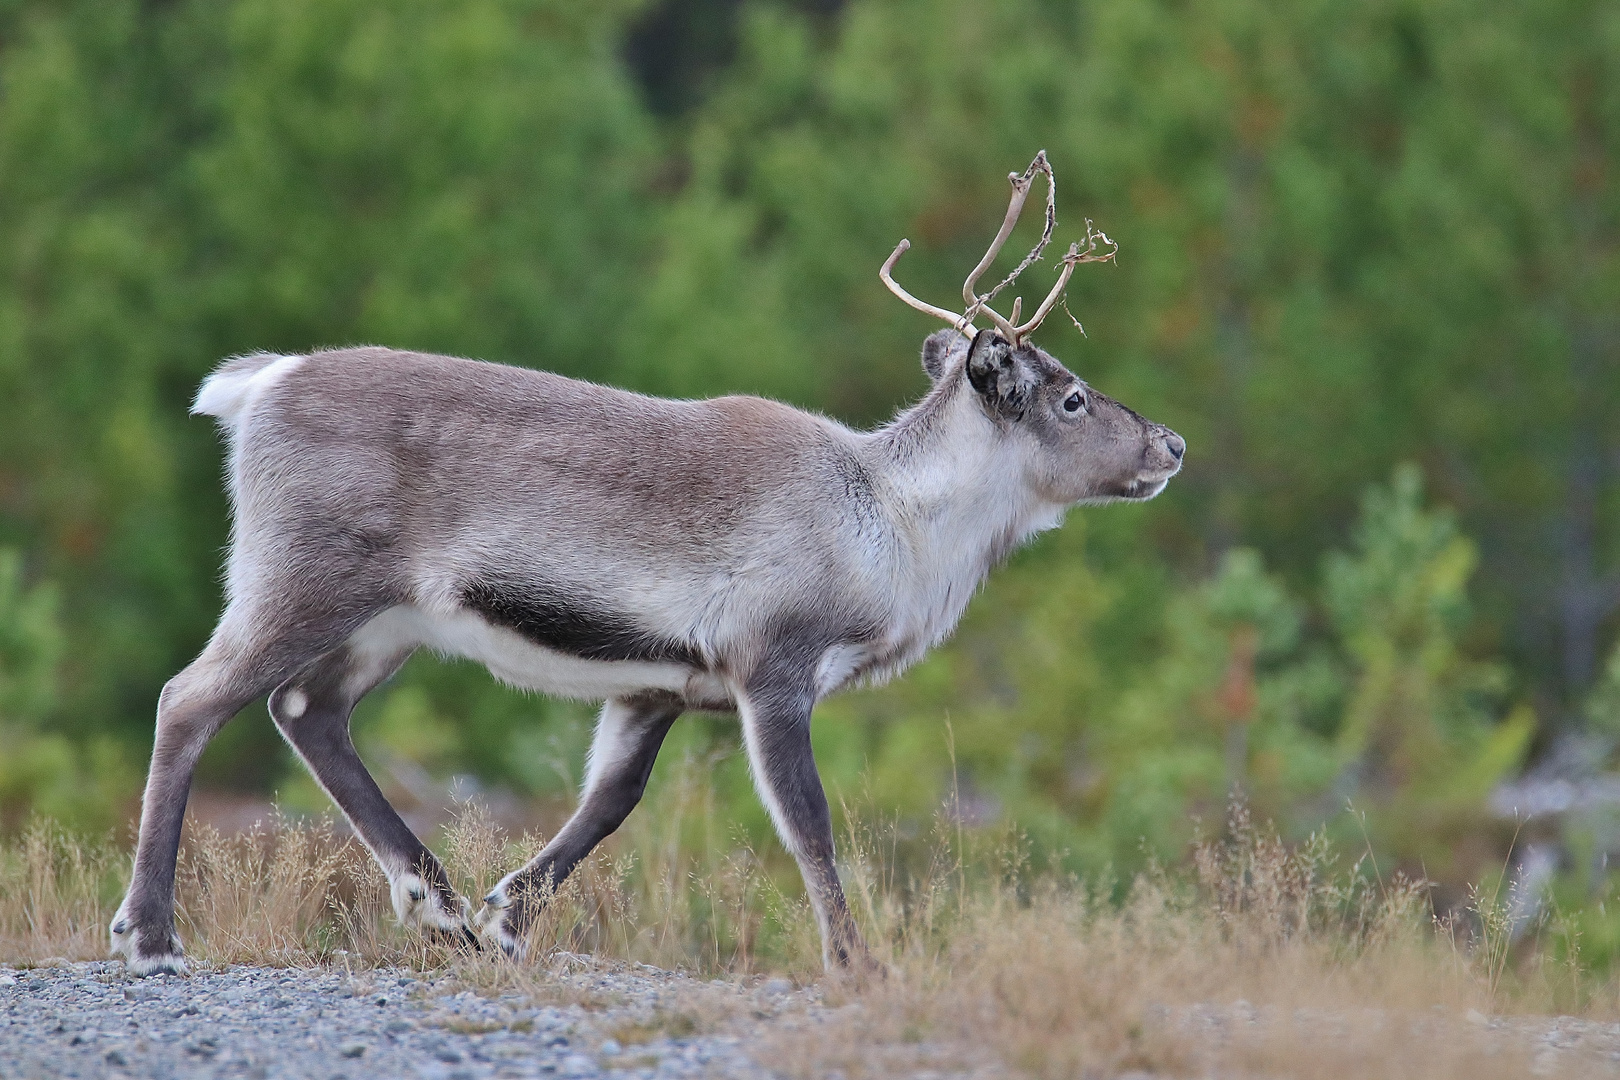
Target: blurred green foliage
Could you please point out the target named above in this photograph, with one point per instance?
(1355, 235)
(85, 781)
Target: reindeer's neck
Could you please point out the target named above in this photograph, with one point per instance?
(959, 502)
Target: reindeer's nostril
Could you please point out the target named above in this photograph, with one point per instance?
(1175, 444)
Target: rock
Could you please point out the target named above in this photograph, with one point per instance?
(204, 1048)
(577, 1065)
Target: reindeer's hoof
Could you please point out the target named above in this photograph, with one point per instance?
(869, 970)
(146, 952)
(855, 964)
(495, 924)
(441, 915)
(461, 939)
(165, 964)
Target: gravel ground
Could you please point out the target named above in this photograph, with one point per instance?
(92, 1020)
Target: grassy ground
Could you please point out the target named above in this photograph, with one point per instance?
(1254, 959)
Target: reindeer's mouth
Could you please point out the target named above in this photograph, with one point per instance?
(1143, 487)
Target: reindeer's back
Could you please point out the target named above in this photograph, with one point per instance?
(379, 454)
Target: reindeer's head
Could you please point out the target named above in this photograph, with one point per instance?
(1081, 446)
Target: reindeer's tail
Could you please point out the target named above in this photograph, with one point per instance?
(231, 388)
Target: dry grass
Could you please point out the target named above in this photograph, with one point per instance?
(1262, 961)
(1332, 974)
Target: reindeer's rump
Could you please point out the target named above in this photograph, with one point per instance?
(601, 523)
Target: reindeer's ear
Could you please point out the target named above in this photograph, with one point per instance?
(939, 350)
(1000, 374)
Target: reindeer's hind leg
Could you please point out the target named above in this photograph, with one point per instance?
(251, 651)
(628, 736)
(312, 710)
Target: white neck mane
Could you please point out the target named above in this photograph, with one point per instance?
(957, 496)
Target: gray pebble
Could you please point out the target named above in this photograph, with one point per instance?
(577, 1065)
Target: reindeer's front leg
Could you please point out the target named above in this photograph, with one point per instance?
(775, 710)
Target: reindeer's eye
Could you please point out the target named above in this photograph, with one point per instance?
(1074, 402)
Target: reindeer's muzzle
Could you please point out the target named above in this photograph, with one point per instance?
(1161, 461)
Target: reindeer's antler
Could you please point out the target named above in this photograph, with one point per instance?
(1015, 208)
(1015, 334)
(961, 322)
(1075, 257)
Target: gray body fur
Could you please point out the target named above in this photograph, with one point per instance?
(588, 542)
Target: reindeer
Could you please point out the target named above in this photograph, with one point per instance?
(731, 554)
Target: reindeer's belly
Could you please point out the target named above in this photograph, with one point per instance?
(516, 660)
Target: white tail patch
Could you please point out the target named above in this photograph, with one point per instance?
(228, 392)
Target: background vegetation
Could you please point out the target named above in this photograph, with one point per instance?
(1370, 270)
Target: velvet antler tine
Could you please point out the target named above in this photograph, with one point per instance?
(962, 323)
(1069, 262)
(1074, 258)
(1015, 208)
(1047, 228)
